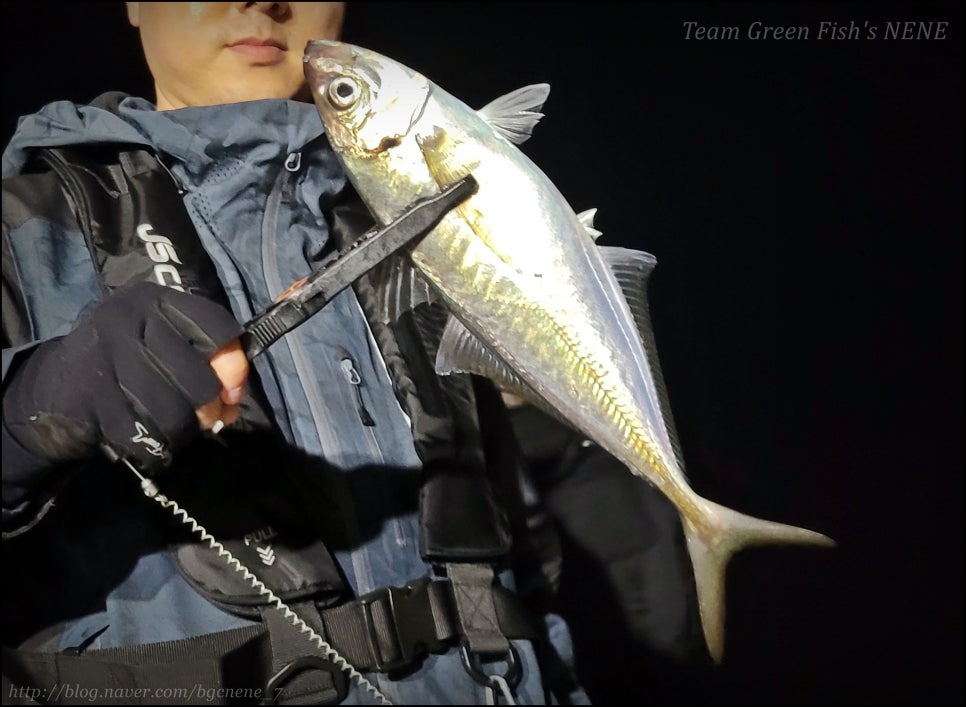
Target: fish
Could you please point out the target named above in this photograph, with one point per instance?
(533, 302)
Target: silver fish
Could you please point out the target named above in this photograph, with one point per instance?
(535, 304)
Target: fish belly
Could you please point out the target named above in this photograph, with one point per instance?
(561, 352)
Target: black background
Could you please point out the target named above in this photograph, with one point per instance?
(805, 202)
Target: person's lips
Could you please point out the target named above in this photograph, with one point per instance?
(259, 51)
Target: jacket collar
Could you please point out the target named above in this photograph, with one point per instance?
(188, 134)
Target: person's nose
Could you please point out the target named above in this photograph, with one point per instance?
(276, 10)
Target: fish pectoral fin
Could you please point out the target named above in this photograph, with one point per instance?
(514, 115)
(632, 268)
(402, 288)
(586, 219)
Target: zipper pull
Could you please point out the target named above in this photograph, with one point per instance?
(293, 162)
(355, 380)
(177, 183)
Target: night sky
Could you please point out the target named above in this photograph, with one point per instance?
(804, 199)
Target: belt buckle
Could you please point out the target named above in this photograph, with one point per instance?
(405, 633)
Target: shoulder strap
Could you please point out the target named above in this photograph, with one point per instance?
(460, 517)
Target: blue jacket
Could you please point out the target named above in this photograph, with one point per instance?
(257, 178)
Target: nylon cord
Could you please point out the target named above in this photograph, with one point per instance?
(151, 490)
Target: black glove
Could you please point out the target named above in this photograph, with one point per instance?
(130, 376)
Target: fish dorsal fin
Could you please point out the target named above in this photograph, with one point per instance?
(400, 288)
(586, 219)
(632, 269)
(460, 351)
(514, 115)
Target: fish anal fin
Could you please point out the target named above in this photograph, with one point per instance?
(460, 351)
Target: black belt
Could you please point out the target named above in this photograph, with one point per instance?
(384, 631)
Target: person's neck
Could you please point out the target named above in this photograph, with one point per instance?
(163, 102)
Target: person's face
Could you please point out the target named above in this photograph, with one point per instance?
(206, 53)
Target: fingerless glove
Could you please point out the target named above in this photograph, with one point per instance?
(128, 377)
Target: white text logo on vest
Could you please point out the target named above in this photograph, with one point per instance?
(161, 250)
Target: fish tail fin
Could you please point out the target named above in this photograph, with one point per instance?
(724, 533)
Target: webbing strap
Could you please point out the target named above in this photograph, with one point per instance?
(386, 630)
(192, 670)
(295, 680)
(476, 607)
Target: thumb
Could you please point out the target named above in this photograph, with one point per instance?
(231, 367)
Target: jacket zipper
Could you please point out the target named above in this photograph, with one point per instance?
(282, 188)
(355, 380)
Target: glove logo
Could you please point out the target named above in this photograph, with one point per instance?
(142, 437)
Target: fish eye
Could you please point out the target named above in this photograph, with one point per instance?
(343, 92)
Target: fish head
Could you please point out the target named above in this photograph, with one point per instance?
(367, 102)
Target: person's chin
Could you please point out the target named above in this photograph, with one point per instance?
(255, 87)
(248, 97)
